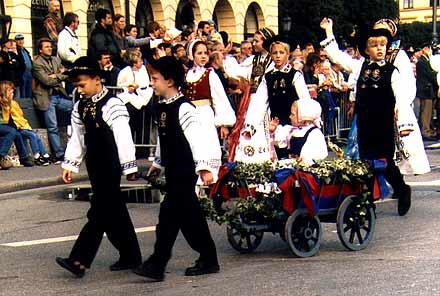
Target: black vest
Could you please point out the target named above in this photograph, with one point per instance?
(375, 103)
(281, 94)
(175, 151)
(297, 143)
(102, 152)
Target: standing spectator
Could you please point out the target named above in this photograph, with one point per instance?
(426, 81)
(49, 94)
(245, 50)
(119, 32)
(15, 64)
(214, 35)
(102, 37)
(26, 76)
(203, 30)
(53, 23)
(131, 33)
(135, 81)
(69, 48)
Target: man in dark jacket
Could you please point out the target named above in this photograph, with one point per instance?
(102, 38)
(426, 91)
(26, 74)
(14, 64)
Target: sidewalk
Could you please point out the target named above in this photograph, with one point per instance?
(22, 178)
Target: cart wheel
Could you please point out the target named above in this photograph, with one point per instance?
(355, 223)
(242, 240)
(303, 233)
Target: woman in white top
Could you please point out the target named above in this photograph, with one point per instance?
(135, 81)
(136, 94)
(205, 90)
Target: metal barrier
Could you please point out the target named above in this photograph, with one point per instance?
(145, 132)
(338, 127)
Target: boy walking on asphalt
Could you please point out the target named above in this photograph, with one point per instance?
(186, 150)
(101, 135)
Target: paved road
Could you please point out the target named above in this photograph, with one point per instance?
(403, 258)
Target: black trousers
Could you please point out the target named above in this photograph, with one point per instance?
(108, 214)
(394, 176)
(180, 210)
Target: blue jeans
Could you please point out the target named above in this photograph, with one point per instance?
(60, 103)
(35, 141)
(8, 135)
(26, 87)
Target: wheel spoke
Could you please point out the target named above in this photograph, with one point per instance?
(351, 239)
(366, 228)
(347, 228)
(249, 242)
(359, 236)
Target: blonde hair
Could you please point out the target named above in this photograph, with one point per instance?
(132, 56)
(283, 44)
(372, 41)
(5, 101)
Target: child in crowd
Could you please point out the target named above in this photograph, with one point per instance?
(187, 148)
(12, 114)
(304, 139)
(100, 134)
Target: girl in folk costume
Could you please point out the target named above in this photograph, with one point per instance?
(205, 90)
(411, 156)
(304, 139)
(250, 140)
(279, 88)
(382, 102)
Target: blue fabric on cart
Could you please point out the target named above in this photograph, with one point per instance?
(352, 149)
(282, 174)
(379, 166)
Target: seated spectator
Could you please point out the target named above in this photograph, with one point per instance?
(12, 113)
(110, 72)
(7, 136)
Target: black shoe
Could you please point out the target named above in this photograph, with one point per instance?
(26, 161)
(41, 161)
(151, 271)
(118, 265)
(404, 202)
(68, 264)
(56, 159)
(202, 267)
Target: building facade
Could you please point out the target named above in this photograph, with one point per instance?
(417, 11)
(240, 18)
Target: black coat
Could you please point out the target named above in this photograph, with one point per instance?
(102, 39)
(426, 80)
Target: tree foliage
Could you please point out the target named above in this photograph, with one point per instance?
(346, 14)
(415, 34)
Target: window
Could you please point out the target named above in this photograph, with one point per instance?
(431, 3)
(408, 3)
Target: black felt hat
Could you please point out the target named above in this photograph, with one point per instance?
(280, 38)
(363, 38)
(84, 66)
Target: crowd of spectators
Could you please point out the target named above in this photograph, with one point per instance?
(124, 57)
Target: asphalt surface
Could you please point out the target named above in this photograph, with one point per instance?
(403, 258)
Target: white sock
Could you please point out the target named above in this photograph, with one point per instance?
(37, 155)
